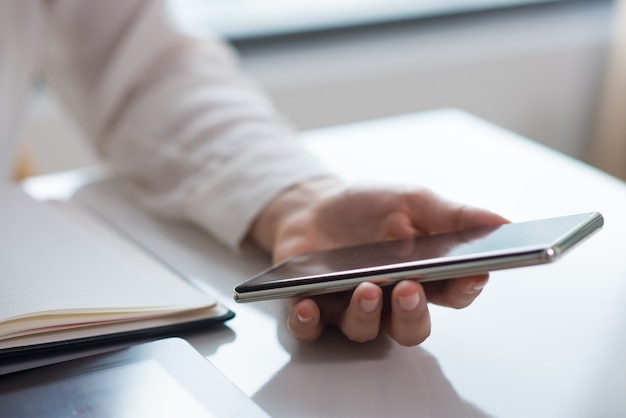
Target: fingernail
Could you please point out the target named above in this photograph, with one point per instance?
(475, 287)
(479, 286)
(369, 305)
(409, 302)
(304, 318)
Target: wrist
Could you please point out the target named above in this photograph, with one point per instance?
(289, 204)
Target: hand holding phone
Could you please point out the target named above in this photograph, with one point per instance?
(427, 258)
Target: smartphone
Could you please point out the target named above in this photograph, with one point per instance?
(427, 258)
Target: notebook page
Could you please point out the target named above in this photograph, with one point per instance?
(54, 259)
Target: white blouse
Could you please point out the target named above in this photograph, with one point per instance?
(196, 138)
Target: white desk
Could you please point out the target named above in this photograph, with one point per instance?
(540, 342)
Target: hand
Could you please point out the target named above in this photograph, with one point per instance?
(324, 214)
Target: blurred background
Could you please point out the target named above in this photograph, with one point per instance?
(551, 70)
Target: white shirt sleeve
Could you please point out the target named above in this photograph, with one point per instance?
(173, 114)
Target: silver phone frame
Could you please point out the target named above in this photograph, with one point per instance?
(444, 268)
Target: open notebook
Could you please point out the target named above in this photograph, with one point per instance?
(67, 279)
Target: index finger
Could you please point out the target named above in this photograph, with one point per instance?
(435, 214)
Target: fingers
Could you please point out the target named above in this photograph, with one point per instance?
(409, 321)
(358, 319)
(305, 321)
(361, 320)
(434, 214)
(457, 293)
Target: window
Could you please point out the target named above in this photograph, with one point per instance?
(241, 19)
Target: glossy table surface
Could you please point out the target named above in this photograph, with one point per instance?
(543, 341)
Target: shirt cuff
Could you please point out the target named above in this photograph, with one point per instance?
(228, 203)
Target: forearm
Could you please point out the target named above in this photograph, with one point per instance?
(175, 115)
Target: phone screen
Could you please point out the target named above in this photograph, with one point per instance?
(394, 257)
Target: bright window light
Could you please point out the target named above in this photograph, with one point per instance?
(238, 19)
